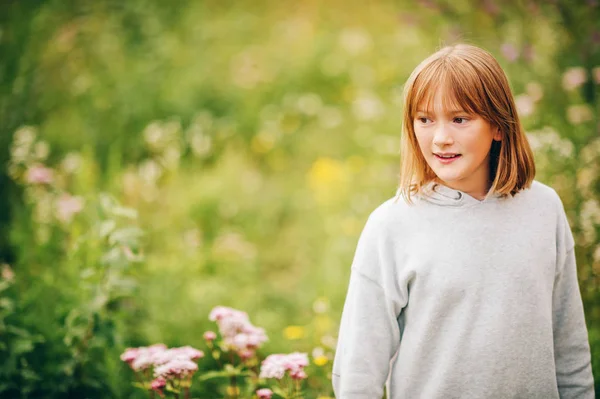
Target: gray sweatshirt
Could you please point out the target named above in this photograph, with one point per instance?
(453, 297)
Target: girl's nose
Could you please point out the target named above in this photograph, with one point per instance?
(442, 136)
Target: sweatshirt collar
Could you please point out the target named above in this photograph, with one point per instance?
(441, 194)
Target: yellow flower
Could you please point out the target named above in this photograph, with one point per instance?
(233, 391)
(328, 179)
(321, 360)
(324, 397)
(293, 332)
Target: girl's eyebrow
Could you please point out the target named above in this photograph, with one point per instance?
(450, 112)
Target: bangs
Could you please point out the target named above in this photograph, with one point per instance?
(462, 88)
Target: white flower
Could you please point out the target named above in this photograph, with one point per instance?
(525, 104)
(577, 114)
(535, 91)
(573, 78)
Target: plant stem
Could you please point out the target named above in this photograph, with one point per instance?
(234, 387)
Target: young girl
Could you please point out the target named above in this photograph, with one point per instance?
(464, 285)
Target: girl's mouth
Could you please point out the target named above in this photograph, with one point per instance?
(446, 159)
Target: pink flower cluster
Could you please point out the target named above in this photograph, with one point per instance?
(275, 366)
(238, 333)
(39, 174)
(168, 364)
(143, 357)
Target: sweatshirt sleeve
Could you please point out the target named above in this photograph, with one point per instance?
(369, 333)
(571, 346)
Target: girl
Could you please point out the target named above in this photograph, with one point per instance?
(464, 285)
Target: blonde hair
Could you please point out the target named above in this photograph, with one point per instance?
(476, 83)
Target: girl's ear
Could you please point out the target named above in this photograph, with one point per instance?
(497, 134)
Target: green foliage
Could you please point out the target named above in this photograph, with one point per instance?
(216, 153)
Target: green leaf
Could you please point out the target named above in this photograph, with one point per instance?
(4, 284)
(227, 373)
(21, 345)
(279, 392)
(128, 213)
(213, 374)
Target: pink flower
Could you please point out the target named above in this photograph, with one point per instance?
(183, 353)
(143, 357)
(221, 312)
(298, 375)
(210, 336)
(238, 333)
(264, 393)
(189, 352)
(297, 359)
(157, 385)
(177, 368)
(67, 206)
(129, 355)
(275, 366)
(246, 354)
(39, 174)
(510, 52)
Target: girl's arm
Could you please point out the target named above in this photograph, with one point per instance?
(571, 346)
(369, 333)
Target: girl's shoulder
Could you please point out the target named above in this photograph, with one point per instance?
(541, 195)
(391, 214)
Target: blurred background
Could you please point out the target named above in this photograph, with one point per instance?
(161, 158)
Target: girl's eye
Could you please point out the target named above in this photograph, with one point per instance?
(422, 119)
(460, 120)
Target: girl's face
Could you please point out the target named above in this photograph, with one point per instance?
(456, 146)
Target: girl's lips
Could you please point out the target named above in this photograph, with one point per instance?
(446, 160)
